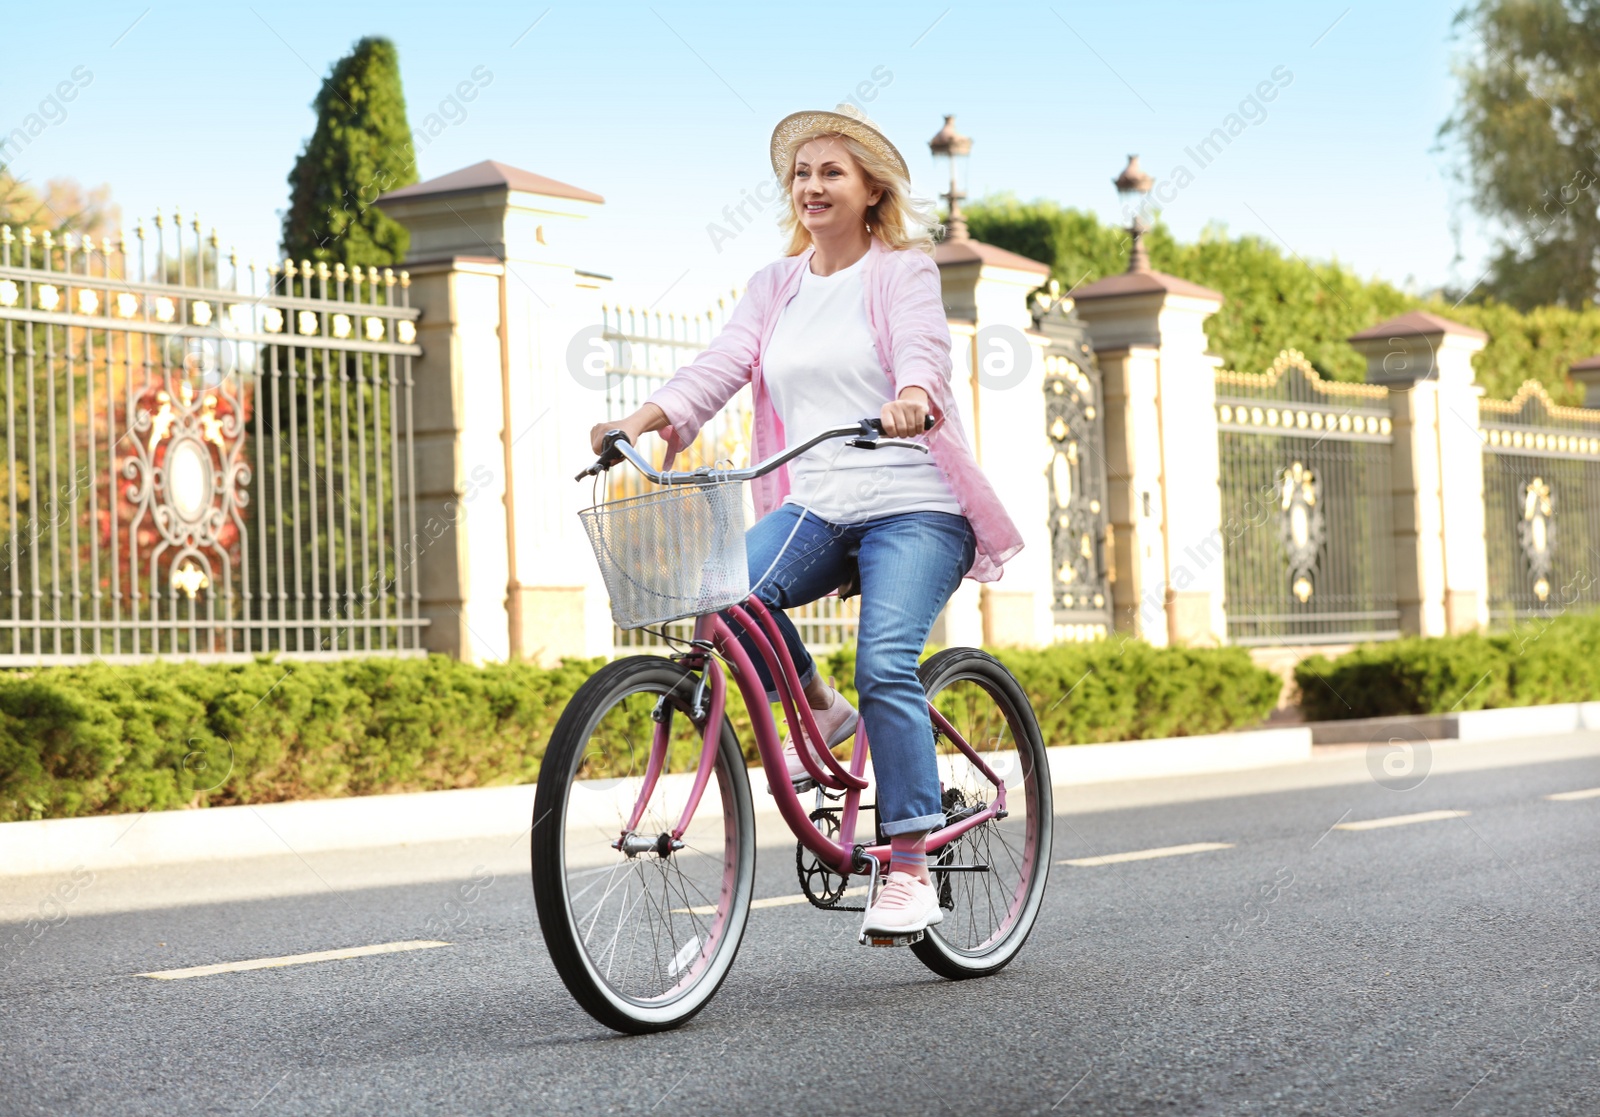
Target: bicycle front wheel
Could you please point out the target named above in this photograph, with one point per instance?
(991, 904)
(642, 938)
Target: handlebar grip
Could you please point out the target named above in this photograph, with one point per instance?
(877, 424)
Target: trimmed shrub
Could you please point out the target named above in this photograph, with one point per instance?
(101, 739)
(1127, 690)
(1536, 663)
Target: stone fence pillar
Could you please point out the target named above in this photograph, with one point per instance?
(1161, 453)
(998, 382)
(504, 568)
(1441, 563)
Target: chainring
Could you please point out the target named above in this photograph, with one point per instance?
(823, 887)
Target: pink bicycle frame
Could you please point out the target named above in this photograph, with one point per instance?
(840, 855)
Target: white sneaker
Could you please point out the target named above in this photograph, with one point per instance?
(837, 724)
(905, 905)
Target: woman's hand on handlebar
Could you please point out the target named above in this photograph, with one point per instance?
(647, 418)
(905, 416)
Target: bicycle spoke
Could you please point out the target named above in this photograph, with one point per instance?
(610, 953)
(601, 903)
(642, 921)
(985, 905)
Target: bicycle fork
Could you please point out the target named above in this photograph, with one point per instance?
(706, 709)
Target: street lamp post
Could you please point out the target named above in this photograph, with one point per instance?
(1133, 186)
(950, 150)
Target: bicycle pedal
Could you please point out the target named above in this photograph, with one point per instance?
(892, 940)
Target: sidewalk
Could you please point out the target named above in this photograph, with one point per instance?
(376, 821)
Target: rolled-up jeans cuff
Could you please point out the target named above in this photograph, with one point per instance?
(914, 825)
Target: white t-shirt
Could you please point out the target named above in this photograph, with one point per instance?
(822, 370)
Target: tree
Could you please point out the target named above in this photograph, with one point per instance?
(63, 207)
(1528, 124)
(1274, 301)
(361, 149)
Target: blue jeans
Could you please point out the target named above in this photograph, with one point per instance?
(909, 564)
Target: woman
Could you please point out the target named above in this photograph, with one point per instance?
(850, 324)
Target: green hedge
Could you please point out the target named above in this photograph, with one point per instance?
(1125, 690)
(105, 739)
(1536, 663)
(102, 739)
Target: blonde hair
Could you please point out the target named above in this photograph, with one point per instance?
(898, 219)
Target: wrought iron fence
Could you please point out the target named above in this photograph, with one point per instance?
(1307, 508)
(1541, 492)
(197, 468)
(645, 350)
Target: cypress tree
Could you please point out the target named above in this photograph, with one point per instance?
(361, 149)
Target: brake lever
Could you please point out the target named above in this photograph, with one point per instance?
(879, 443)
(608, 454)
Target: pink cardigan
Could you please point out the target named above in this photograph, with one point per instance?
(912, 337)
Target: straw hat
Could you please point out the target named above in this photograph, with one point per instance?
(847, 120)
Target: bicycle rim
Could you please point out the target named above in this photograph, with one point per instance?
(989, 912)
(644, 941)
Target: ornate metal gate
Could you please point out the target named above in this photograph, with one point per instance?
(1541, 492)
(192, 469)
(1075, 424)
(1307, 507)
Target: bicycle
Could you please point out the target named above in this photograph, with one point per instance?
(643, 840)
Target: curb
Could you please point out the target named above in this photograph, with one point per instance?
(128, 841)
(1178, 756)
(1470, 725)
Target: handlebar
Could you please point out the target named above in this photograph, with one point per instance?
(866, 435)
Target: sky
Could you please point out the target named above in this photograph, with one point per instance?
(666, 110)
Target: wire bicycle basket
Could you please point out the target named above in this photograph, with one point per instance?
(671, 554)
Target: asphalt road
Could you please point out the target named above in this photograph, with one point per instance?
(1449, 966)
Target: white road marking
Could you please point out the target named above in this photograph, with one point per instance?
(690, 949)
(1400, 820)
(769, 902)
(1146, 854)
(1586, 793)
(294, 959)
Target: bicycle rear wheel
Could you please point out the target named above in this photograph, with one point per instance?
(988, 912)
(642, 941)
